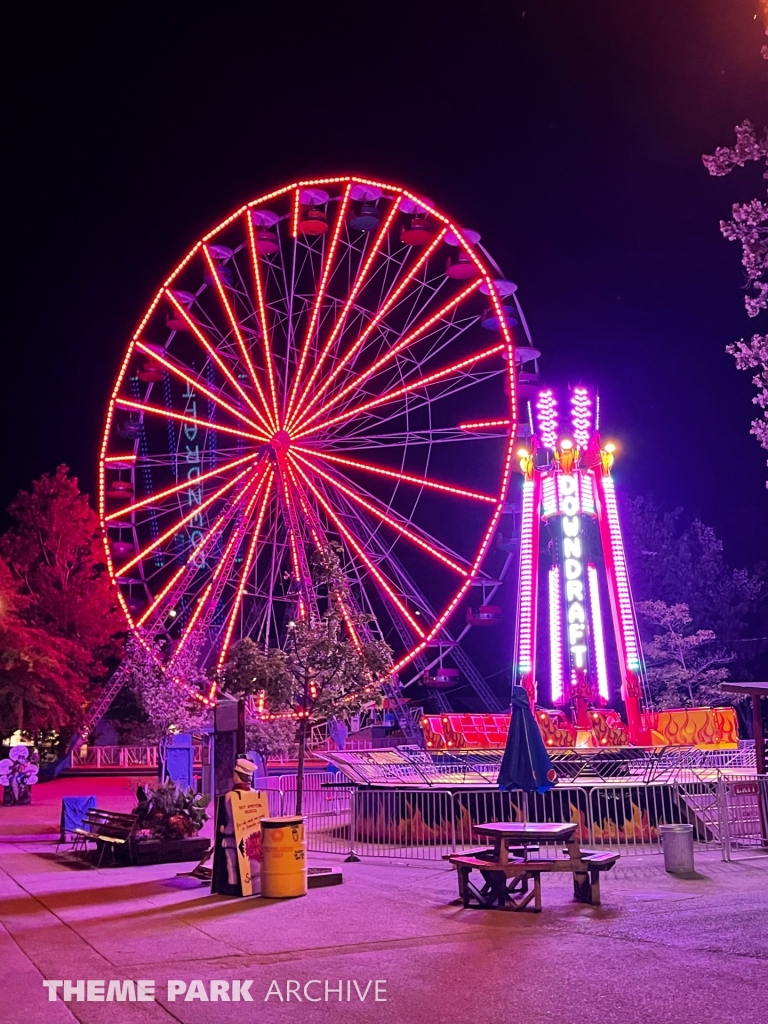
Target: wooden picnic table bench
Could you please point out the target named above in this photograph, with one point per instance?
(107, 829)
(508, 867)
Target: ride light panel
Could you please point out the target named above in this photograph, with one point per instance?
(546, 419)
(626, 619)
(581, 416)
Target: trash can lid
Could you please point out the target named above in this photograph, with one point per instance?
(281, 822)
(676, 828)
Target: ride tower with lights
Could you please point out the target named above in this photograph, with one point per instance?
(568, 490)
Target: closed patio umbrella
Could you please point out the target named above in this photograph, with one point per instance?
(526, 764)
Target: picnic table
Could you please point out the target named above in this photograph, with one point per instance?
(514, 861)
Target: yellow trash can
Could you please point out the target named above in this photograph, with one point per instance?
(283, 857)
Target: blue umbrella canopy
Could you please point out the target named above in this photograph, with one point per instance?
(526, 764)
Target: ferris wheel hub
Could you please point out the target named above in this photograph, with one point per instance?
(281, 441)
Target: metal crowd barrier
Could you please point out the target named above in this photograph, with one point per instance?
(412, 824)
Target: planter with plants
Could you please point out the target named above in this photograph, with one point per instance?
(167, 826)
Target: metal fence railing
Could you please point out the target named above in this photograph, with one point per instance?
(426, 824)
(127, 757)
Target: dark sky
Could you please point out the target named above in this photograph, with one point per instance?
(568, 133)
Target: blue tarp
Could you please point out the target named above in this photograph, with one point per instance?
(526, 764)
(73, 810)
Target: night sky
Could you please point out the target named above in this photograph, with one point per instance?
(568, 133)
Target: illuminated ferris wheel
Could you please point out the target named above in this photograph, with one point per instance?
(329, 364)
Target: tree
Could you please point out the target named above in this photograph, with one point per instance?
(685, 668)
(272, 737)
(320, 674)
(749, 225)
(54, 551)
(165, 690)
(674, 562)
(38, 688)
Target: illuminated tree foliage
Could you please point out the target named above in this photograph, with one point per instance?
(165, 689)
(39, 691)
(54, 549)
(66, 611)
(749, 226)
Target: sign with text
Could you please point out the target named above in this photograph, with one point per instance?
(248, 808)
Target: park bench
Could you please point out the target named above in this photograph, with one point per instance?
(107, 829)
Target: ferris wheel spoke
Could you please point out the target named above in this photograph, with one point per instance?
(263, 322)
(156, 410)
(327, 265)
(359, 551)
(158, 496)
(391, 396)
(182, 523)
(194, 329)
(195, 382)
(248, 565)
(375, 321)
(222, 570)
(388, 518)
(395, 350)
(246, 356)
(357, 286)
(191, 566)
(474, 572)
(408, 478)
(405, 366)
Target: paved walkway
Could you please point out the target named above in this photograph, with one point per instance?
(660, 949)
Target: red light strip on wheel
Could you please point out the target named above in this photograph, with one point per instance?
(197, 550)
(356, 288)
(178, 372)
(393, 474)
(390, 354)
(420, 262)
(265, 340)
(240, 340)
(153, 498)
(169, 533)
(211, 350)
(390, 396)
(234, 542)
(321, 542)
(246, 572)
(482, 424)
(475, 566)
(320, 295)
(295, 217)
(293, 541)
(362, 555)
(119, 458)
(156, 410)
(403, 530)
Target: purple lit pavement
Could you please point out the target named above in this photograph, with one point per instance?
(660, 949)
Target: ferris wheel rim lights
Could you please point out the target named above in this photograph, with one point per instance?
(303, 406)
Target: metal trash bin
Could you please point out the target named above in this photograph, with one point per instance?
(677, 845)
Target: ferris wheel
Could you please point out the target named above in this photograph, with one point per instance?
(330, 364)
